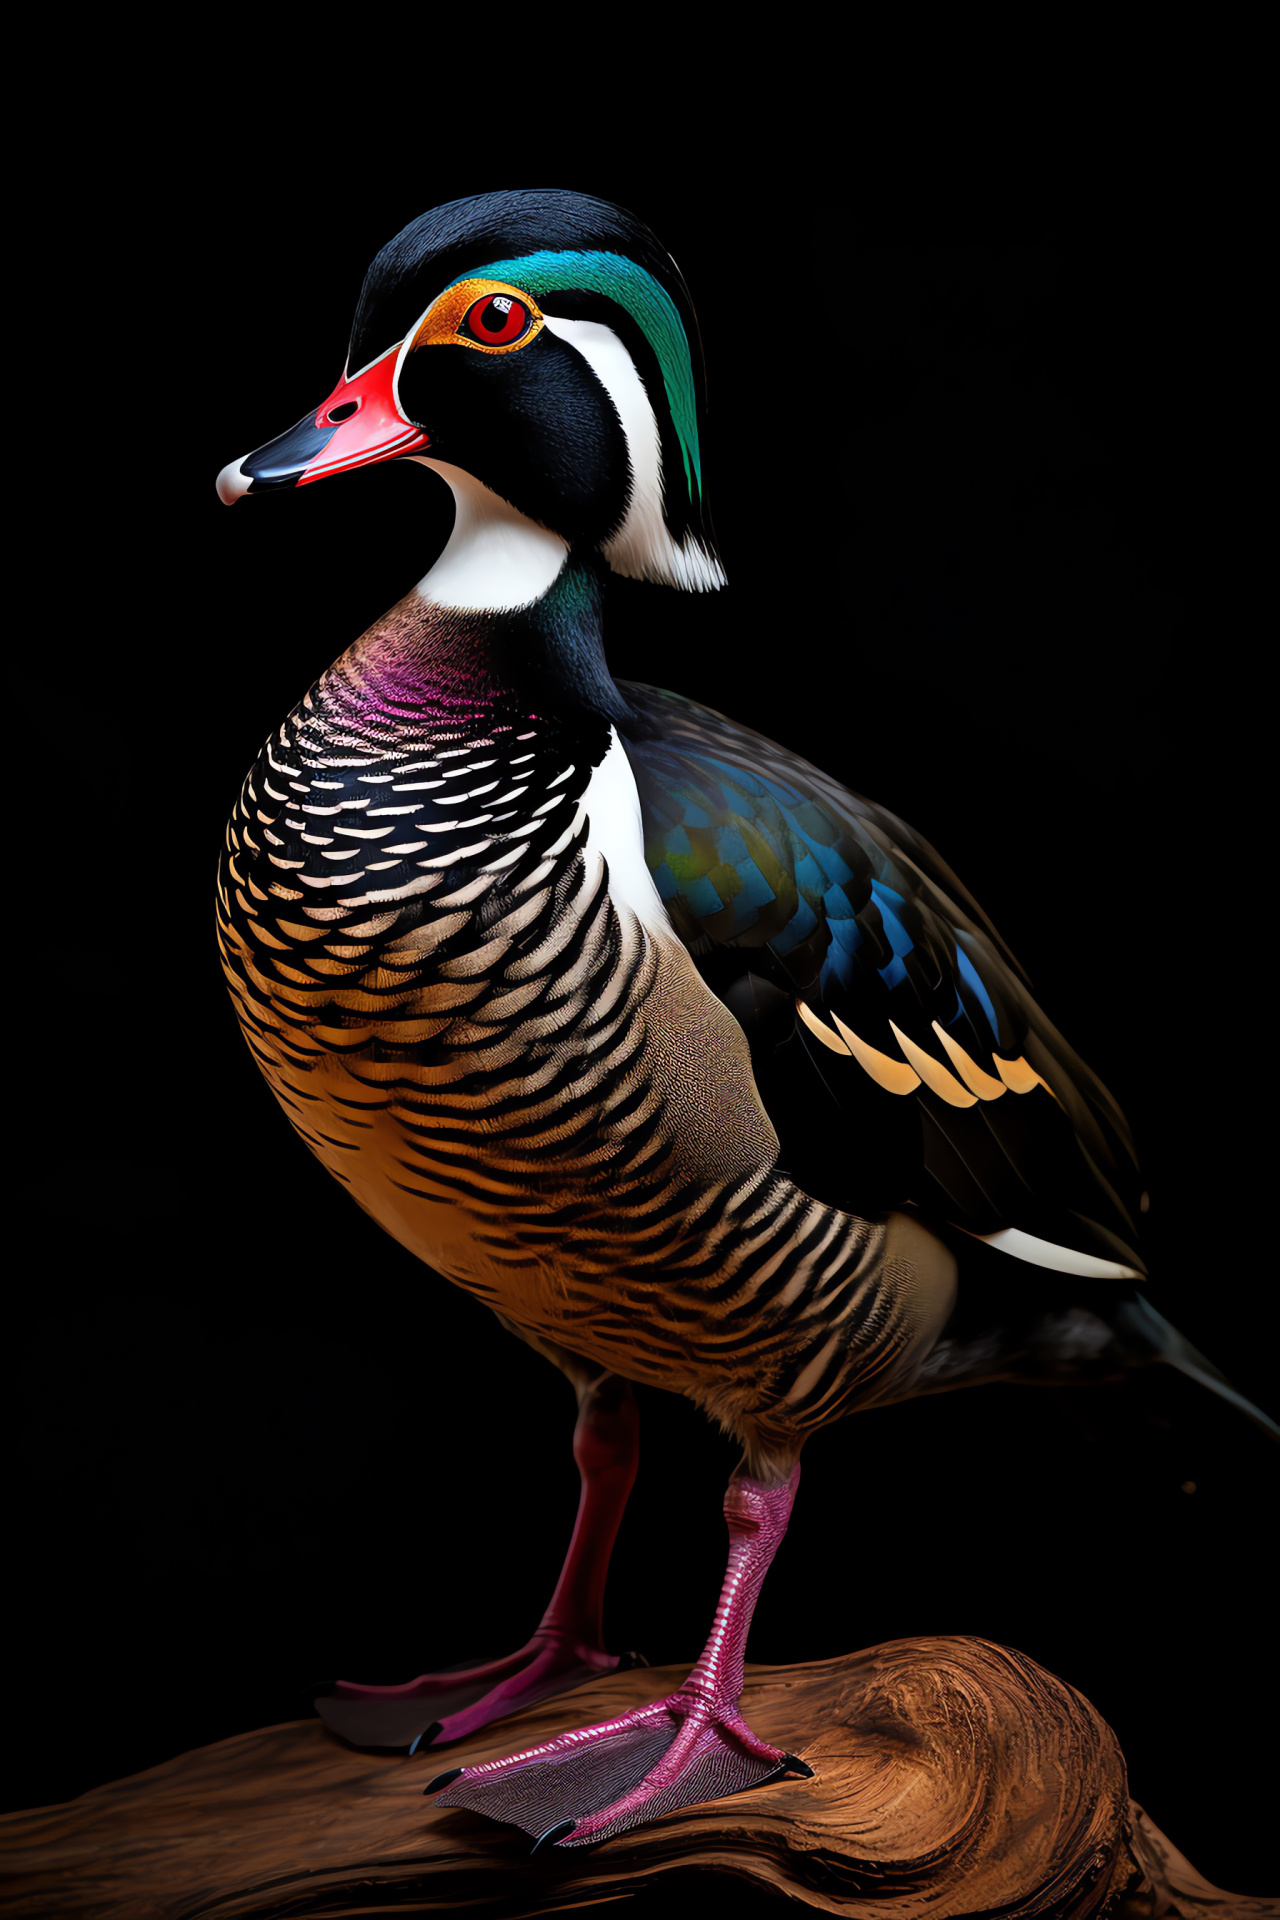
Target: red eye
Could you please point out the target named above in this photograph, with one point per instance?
(499, 320)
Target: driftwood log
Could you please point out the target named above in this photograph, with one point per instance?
(952, 1777)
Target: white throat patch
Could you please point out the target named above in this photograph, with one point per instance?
(496, 559)
(642, 548)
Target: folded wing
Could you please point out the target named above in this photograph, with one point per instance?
(910, 1033)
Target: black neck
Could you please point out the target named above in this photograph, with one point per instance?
(554, 650)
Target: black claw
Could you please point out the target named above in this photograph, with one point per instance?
(560, 1831)
(626, 1661)
(793, 1765)
(442, 1779)
(425, 1738)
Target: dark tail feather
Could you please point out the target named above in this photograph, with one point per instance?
(1149, 1332)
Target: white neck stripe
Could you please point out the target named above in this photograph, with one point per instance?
(495, 559)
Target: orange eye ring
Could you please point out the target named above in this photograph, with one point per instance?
(485, 315)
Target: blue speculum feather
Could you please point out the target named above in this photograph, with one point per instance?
(650, 306)
(809, 875)
(969, 974)
(846, 938)
(702, 898)
(755, 888)
(895, 933)
(824, 857)
(798, 928)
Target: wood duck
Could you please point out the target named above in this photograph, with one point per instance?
(541, 965)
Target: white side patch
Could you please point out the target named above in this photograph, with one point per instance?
(616, 833)
(1043, 1253)
(496, 560)
(642, 548)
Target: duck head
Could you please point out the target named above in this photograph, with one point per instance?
(539, 350)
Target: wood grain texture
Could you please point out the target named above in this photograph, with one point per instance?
(952, 1777)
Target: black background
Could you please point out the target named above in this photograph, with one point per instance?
(962, 454)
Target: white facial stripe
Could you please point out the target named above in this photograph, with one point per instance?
(642, 548)
(402, 353)
(370, 364)
(495, 560)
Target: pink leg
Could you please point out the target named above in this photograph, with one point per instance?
(566, 1648)
(692, 1746)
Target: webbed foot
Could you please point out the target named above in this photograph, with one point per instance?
(678, 1752)
(439, 1707)
(585, 1785)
